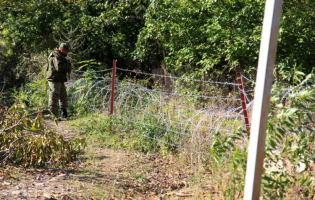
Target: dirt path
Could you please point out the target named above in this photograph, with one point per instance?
(100, 173)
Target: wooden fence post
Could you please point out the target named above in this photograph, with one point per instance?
(243, 99)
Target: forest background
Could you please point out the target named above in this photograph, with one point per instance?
(204, 40)
(191, 38)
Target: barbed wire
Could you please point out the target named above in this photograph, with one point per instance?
(188, 120)
(94, 71)
(175, 77)
(185, 120)
(167, 143)
(248, 79)
(290, 89)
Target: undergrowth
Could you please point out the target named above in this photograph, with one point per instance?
(113, 132)
(289, 160)
(24, 140)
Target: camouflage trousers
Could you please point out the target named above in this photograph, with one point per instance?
(57, 93)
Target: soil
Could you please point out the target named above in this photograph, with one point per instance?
(101, 173)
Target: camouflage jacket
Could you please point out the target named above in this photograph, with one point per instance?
(58, 67)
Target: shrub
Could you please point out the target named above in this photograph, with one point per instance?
(290, 145)
(26, 141)
(34, 94)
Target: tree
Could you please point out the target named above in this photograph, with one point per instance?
(296, 39)
(214, 37)
(202, 36)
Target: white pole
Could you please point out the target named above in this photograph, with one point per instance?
(264, 79)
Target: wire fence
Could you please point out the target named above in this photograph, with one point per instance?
(185, 114)
(176, 112)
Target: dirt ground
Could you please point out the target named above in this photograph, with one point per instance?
(101, 173)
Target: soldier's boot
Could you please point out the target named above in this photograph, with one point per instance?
(64, 113)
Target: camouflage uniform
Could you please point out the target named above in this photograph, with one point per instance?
(57, 92)
(57, 70)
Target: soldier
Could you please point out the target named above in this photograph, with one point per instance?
(57, 70)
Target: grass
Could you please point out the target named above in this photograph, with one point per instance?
(219, 169)
(98, 127)
(204, 173)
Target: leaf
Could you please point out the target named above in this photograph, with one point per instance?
(290, 112)
(273, 143)
(281, 131)
(299, 73)
(34, 127)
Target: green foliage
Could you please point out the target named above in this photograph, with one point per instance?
(25, 141)
(213, 37)
(34, 94)
(116, 24)
(29, 24)
(289, 146)
(289, 158)
(202, 36)
(116, 133)
(98, 127)
(150, 136)
(296, 39)
(229, 157)
(85, 92)
(194, 37)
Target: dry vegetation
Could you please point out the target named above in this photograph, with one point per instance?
(103, 173)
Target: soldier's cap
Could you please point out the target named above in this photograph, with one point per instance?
(65, 46)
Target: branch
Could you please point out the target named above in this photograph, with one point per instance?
(18, 123)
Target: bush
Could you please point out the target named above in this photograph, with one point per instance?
(34, 94)
(290, 145)
(26, 141)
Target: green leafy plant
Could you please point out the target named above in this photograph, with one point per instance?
(290, 146)
(84, 91)
(34, 94)
(229, 157)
